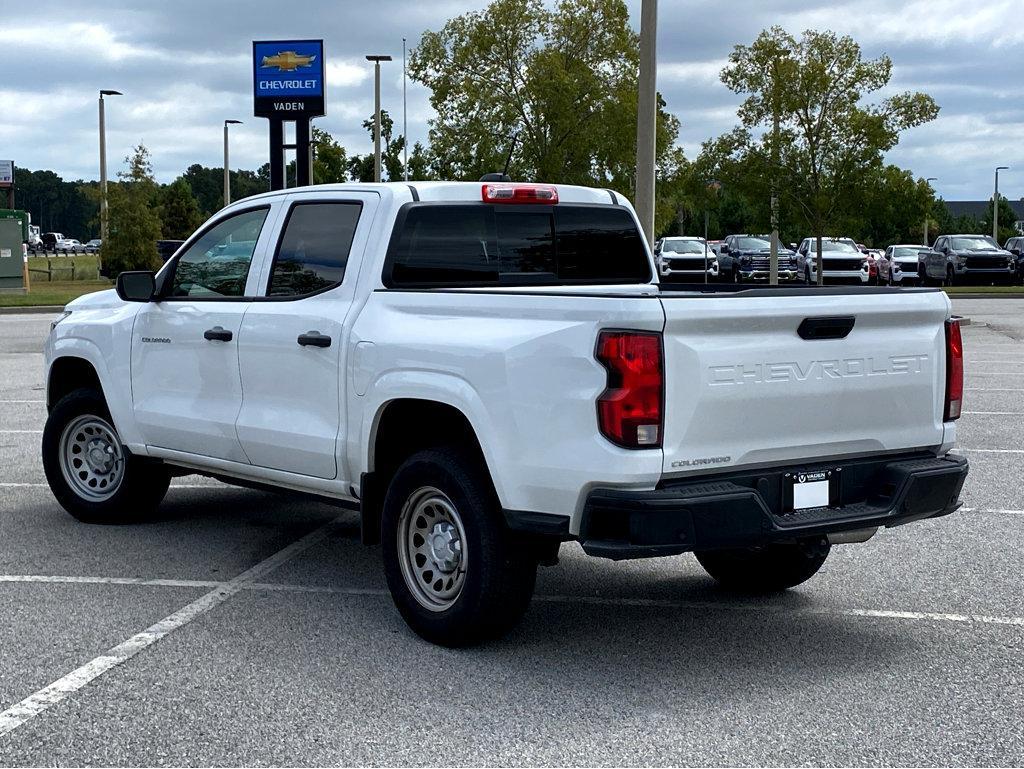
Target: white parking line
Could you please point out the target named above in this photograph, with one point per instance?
(584, 599)
(995, 413)
(994, 451)
(16, 400)
(30, 707)
(21, 432)
(211, 485)
(995, 389)
(990, 510)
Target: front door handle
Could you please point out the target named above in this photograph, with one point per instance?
(217, 334)
(314, 339)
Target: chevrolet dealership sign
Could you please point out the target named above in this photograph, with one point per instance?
(288, 78)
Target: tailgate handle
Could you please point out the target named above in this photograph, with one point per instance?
(831, 327)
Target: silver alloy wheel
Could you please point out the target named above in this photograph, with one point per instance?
(91, 458)
(432, 548)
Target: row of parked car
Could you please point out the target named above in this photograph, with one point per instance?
(55, 242)
(954, 259)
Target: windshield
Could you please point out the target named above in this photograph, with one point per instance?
(752, 244)
(838, 246)
(902, 252)
(980, 243)
(683, 247)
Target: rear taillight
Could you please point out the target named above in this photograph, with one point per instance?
(630, 410)
(954, 370)
(519, 193)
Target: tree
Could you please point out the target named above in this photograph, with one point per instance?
(551, 90)
(392, 170)
(828, 141)
(1007, 216)
(134, 219)
(330, 163)
(419, 163)
(179, 210)
(68, 207)
(892, 208)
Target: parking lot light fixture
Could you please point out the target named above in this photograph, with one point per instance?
(103, 162)
(995, 204)
(376, 59)
(927, 215)
(227, 166)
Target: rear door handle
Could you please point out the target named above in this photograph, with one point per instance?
(314, 339)
(829, 327)
(217, 334)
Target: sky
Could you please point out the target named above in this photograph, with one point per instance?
(184, 67)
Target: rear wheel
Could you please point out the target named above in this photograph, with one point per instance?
(767, 569)
(457, 575)
(92, 475)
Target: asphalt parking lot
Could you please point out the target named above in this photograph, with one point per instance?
(244, 628)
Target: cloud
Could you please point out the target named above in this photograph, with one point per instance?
(184, 67)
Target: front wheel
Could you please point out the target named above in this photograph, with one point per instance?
(89, 471)
(768, 569)
(457, 575)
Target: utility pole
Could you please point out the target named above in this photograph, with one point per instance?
(773, 259)
(227, 165)
(927, 216)
(103, 164)
(405, 120)
(646, 118)
(376, 112)
(995, 205)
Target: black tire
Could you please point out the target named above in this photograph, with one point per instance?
(501, 568)
(140, 487)
(767, 569)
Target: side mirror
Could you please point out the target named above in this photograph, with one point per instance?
(724, 249)
(136, 286)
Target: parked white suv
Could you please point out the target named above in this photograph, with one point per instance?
(485, 371)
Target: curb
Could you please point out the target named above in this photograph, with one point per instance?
(38, 309)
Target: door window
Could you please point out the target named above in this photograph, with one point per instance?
(314, 248)
(217, 264)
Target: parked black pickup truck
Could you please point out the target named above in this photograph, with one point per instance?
(957, 259)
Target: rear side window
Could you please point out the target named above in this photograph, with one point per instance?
(477, 244)
(314, 248)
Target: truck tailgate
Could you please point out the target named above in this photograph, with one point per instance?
(743, 388)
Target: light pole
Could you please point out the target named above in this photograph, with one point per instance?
(646, 118)
(927, 215)
(995, 205)
(227, 166)
(103, 164)
(376, 112)
(405, 120)
(714, 186)
(773, 253)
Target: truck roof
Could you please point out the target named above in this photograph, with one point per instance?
(455, 191)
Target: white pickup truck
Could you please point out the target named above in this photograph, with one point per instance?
(485, 371)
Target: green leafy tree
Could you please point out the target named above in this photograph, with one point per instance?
(553, 90)
(330, 162)
(134, 217)
(828, 139)
(1007, 216)
(57, 205)
(419, 163)
(179, 210)
(361, 166)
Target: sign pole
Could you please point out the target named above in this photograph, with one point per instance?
(276, 154)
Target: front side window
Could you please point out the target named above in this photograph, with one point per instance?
(314, 249)
(217, 264)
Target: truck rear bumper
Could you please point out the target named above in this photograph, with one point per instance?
(748, 509)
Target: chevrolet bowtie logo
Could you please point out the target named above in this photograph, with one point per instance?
(287, 61)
